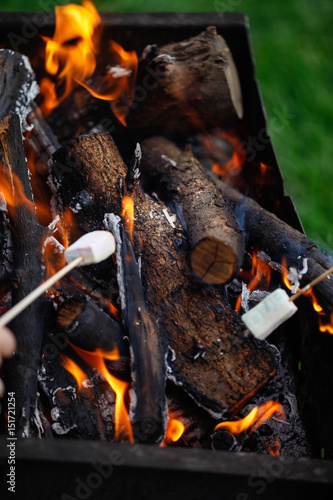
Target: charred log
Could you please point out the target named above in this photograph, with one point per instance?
(193, 86)
(18, 86)
(148, 351)
(21, 370)
(86, 326)
(209, 354)
(217, 246)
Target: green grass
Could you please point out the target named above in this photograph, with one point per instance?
(292, 43)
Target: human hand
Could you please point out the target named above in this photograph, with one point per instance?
(7, 348)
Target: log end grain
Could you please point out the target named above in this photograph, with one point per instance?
(213, 261)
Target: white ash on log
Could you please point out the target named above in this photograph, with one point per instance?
(217, 246)
(193, 86)
(18, 86)
(21, 370)
(209, 355)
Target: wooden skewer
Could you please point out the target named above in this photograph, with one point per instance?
(311, 284)
(20, 306)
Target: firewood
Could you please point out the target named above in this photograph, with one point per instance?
(148, 407)
(21, 370)
(217, 247)
(193, 85)
(18, 86)
(209, 355)
(88, 327)
(266, 231)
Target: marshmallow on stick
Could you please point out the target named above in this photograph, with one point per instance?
(91, 248)
(275, 309)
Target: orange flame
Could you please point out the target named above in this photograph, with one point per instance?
(235, 164)
(55, 244)
(309, 293)
(128, 214)
(261, 275)
(255, 418)
(71, 56)
(326, 327)
(174, 431)
(74, 370)
(95, 359)
(284, 273)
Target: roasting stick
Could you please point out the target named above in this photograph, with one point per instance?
(91, 248)
(275, 309)
(311, 284)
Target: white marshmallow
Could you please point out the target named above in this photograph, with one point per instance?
(270, 313)
(94, 247)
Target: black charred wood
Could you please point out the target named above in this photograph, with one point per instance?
(21, 370)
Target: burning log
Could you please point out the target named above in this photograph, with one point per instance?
(196, 86)
(89, 327)
(209, 355)
(266, 231)
(21, 370)
(217, 247)
(148, 407)
(18, 86)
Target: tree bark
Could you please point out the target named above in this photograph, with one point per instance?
(210, 356)
(217, 246)
(189, 86)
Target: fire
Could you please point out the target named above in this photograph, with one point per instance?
(326, 327)
(174, 431)
(235, 164)
(54, 245)
(96, 359)
(254, 419)
(70, 56)
(309, 293)
(74, 369)
(128, 214)
(261, 276)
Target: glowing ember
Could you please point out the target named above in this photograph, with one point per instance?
(235, 164)
(123, 428)
(274, 447)
(128, 214)
(75, 370)
(255, 418)
(261, 276)
(71, 56)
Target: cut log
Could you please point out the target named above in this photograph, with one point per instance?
(266, 231)
(21, 370)
(217, 246)
(190, 86)
(209, 355)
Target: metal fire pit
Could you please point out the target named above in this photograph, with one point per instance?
(65, 469)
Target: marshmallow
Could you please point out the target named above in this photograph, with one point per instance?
(93, 247)
(270, 313)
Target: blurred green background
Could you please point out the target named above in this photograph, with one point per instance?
(292, 42)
